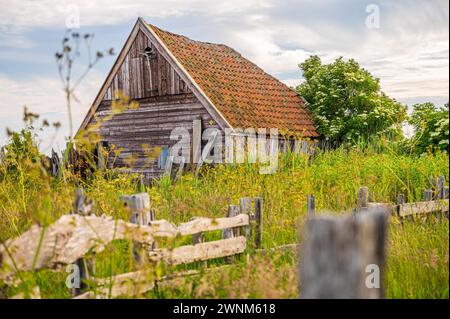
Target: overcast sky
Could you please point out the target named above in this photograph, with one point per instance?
(408, 49)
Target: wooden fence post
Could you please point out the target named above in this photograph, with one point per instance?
(362, 199)
(141, 214)
(101, 162)
(344, 257)
(440, 187)
(258, 221)
(55, 163)
(233, 210)
(85, 265)
(400, 201)
(311, 205)
(245, 207)
(428, 195)
(227, 233)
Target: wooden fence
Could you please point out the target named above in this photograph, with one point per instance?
(334, 255)
(436, 200)
(73, 236)
(344, 257)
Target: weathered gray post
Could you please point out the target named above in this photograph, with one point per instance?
(428, 195)
(245, 207)
(311, 205)
(259, 222)
(227, 233)
(362, 199)
(198, 238)
(344, 257)
(141, 214)
(440, 187)
(84, 265)
(101, 162)
(400, 201)
(233, 210)
(56, 163)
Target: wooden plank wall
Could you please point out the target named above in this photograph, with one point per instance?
(150, 124)
(165, 102)
(138, 78)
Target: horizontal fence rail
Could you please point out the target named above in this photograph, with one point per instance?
(75, 237)
(72, 236)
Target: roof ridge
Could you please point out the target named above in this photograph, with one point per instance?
(190, 39)
(243, 92)
(224, 45)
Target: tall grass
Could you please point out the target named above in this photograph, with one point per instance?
(333, 177)
(417, 251)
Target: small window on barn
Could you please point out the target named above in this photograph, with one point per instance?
(163, 157)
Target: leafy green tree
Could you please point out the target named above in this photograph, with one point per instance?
(431, 126)
(347, 103)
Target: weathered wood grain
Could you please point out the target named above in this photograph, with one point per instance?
(428, 195)
(363, 194)
(65, 241)
(139, 204)
(258, 221)
(131, 284)
(417, 208)
(389, 208)
(233, 211)
(137, 283)
(339, 253)
(210, 224)
(136, 75)
(201, 251)
(35, 293)
(72, 236)
(310, 205)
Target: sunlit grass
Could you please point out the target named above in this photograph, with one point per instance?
(417, 251)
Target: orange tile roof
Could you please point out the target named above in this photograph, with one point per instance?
(239, 89)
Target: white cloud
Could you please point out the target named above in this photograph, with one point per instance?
(292, 82)
(409, 52)
(45, 13)
(44, 96)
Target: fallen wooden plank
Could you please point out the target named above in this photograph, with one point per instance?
(389, 208)
(164, 228)
(131, 284)
(66, 240)
(136, 283)
(201, 251)
(72, 236)
(199, 225)
(423, 207)
(34, 294)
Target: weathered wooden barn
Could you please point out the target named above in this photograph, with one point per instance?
(176, 80)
